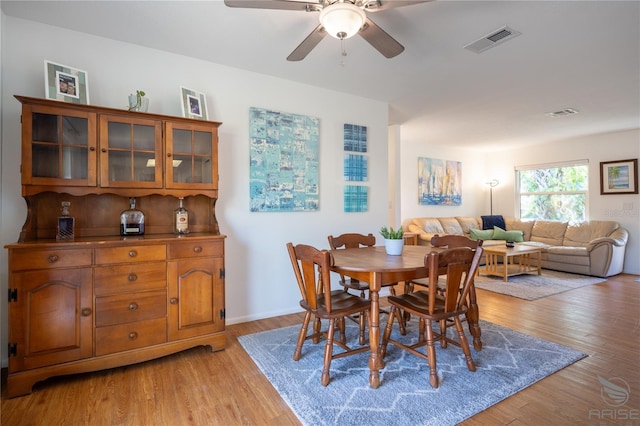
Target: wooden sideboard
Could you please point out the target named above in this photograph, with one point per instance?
(101, 300)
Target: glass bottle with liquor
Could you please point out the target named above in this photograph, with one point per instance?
(132, 220)
(66, 223)
(181, 218)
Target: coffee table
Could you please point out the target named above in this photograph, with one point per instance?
(517, 260)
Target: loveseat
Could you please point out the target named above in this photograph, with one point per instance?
(589, 248)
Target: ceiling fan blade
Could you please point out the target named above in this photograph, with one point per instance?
(307, 45)
(274, 4)
(379, 39)
(376, 5)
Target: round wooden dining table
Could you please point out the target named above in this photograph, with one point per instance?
(375, 267)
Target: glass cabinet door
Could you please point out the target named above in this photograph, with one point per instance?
(192, 153)
(130, 152)
(59, 147)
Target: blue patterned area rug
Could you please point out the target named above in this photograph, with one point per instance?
(509, 362)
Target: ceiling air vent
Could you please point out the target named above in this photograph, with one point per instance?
(562, 112)
(493, 39)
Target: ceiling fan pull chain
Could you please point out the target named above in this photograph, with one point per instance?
(343, 52)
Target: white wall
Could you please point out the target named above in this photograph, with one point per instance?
(259, 280)
(475, 198)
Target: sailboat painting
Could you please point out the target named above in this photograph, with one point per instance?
(439, 182)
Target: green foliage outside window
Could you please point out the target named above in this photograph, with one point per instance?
(555, 193)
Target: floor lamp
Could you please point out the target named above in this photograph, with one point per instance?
(492, 184)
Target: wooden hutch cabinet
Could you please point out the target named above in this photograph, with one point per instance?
(102, 300)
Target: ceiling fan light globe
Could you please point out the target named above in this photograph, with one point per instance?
(342, 20)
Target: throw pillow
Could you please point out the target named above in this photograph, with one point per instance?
(481, 234)
(501, 234)
(488, 222)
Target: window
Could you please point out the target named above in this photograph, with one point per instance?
(553, 191)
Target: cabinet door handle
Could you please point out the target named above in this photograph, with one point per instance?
(104, 150)
(86, 312)
(173, 300)
(197, 249)
(133, 253)
(132, 277)
(133, 306)
(168, 155)
(133, 335)
(92, 148)
(53, 258)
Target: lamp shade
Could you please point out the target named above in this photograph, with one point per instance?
(342, 20)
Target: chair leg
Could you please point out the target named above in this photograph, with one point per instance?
(443, 333)
(464, 344)
(387, 332)
(316, 330)
(301, 336)
(343, 330)
(431, 355)
(361, 320)
(328, 353)
(401, 323)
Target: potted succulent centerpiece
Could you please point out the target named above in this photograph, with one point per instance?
(393, 240)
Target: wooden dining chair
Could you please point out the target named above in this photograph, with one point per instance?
(458, 266)
(312, 268)
(355, 240)
(472, 315)
(352, 240)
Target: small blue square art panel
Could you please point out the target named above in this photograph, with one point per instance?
(355, 167)
(356, 198)
(355, 138)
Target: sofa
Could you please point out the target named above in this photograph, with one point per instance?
(589, 248)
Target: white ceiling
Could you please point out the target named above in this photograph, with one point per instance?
(571, 54)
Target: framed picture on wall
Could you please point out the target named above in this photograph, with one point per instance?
(65, 83)
(194, 104)
(619, 177)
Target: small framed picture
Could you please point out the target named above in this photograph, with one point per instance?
(64, 83)
(619, 177)
(194, 104)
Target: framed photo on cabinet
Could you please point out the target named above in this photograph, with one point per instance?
(194, 104)
(65, 83)
(619, 177)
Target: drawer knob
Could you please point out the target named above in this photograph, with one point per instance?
(86, 312)
(173, 300)
(133, 253)
(133, 335)
(53, 258)
(197, 249)
(133, 306)
(132, 277)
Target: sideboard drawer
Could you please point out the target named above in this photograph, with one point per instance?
(133, 335)
(49, 258)
(130, 307)
(128, 278)
(126, 254)
(196, 248)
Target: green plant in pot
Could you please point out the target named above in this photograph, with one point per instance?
(137, 101)
(393, 240)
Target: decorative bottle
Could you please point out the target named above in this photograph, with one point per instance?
(181, 218)
(132, 220)
(66, 223)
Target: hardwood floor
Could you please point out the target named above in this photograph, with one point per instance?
(199, 387)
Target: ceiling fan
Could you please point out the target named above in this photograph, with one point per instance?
(341, 19)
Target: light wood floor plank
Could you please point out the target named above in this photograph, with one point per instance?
(198, 387)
